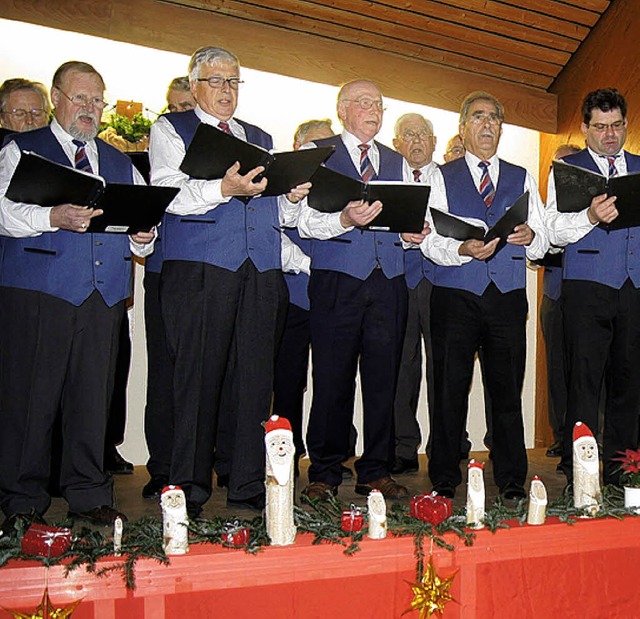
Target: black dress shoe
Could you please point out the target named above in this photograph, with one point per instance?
(555, 450)
(115, 464)
(388, 486)
(346, 472)
(255, 503)
(153, 488)
(445, 489)
(512, 492)
(405, 465)
(103, 516)
(16, 525)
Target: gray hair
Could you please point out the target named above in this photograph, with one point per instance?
(73, 65)
(209, 56)
(18, 83)
(396, 127)
(311, 125)
(179, 83)
(476, 96)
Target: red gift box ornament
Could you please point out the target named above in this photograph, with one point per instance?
(43, 541)
(236, 536)
(352, 520)
(431, 507)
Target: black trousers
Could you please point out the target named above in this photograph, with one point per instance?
(354, 323)
(602, 336)
(55, 357)
(551, 321)
(158, 412)
(222, 328)
(461, 323)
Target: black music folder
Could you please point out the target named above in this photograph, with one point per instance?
(212, 152)
(127, 208)
(576, 187)
(456, 228)
(403, 205)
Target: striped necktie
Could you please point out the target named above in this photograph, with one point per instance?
(416, 176)
(366, 168)
(613, 171)
(487, 190)
(223, 125)
(81, 160)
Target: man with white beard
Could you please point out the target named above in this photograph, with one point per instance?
(62, 295)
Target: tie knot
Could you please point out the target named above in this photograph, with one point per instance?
(416, 175)
(79, 144)
(611, 160)
(363, 148)
(223, 125)
(484, 165)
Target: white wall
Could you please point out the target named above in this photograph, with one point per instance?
(274, 102)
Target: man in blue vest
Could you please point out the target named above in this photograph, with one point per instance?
(62, 293)
(358, 309)
(482, 301)
(222, 294)
(600, 291)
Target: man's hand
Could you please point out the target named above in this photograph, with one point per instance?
(521, 235)
(234, 184)
(299, 192)
(602, 209)
(359, 213)
(72, 217)
(477, 249)
(416, 237)
(143, 237)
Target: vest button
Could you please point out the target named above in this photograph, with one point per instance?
(250, 228)
(98, 263)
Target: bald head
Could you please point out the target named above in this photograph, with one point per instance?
(360, 109)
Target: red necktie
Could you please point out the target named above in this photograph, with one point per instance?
(416, 176)
(366, 167)
(487, 190)
(613, 171)
(81, 161)
(223, 125)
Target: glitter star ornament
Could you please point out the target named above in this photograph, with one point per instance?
(45, 610)
(431, 594)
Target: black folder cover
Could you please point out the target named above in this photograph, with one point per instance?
(127, 208)
(404, 205)
(212, 152)
(455, 228)
(576, 187)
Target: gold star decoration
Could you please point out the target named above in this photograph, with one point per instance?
(431, 594)
(45, 610)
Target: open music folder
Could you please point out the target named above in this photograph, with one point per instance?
(127, 208)
(456, 228)
(403, 205)
(576, 187)
(212, 152)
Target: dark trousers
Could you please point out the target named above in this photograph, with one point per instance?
(158, 412)
(212, 317)
(292, 366)
(461, 323)
(407, 429)
(117, 421)
(551, 322)
(354, 322)
(602, 336)
(55, 357)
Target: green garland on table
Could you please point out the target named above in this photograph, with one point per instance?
(143, 538)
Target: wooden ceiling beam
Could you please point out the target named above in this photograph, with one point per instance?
(165, 26)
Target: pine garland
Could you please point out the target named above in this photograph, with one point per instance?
(322, 519)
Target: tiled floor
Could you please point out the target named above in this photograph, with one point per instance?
(129, 500)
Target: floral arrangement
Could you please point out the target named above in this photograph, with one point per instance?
(630, 467)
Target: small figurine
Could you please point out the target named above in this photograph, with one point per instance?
(537, 502)
(175, 522)
(377, 508)
(586, 470)
(475, 495)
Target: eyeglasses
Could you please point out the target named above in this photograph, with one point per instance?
(366, 104)
(619, 125)
(84, 101)
(481, 118)
(19, 114)
(219, 82)
(409, 136)
(456, 150)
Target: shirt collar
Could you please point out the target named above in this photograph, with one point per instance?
(212, 120)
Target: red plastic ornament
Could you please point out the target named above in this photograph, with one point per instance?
(352, 520)
(236, 537)
(431, 507)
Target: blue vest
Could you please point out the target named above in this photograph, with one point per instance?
(233, 231)
(507, 268)
(417, 267)
(359, 251)
(607, 258)
(552, 277)
(298, 283)
(153, 262)
(66, 264)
